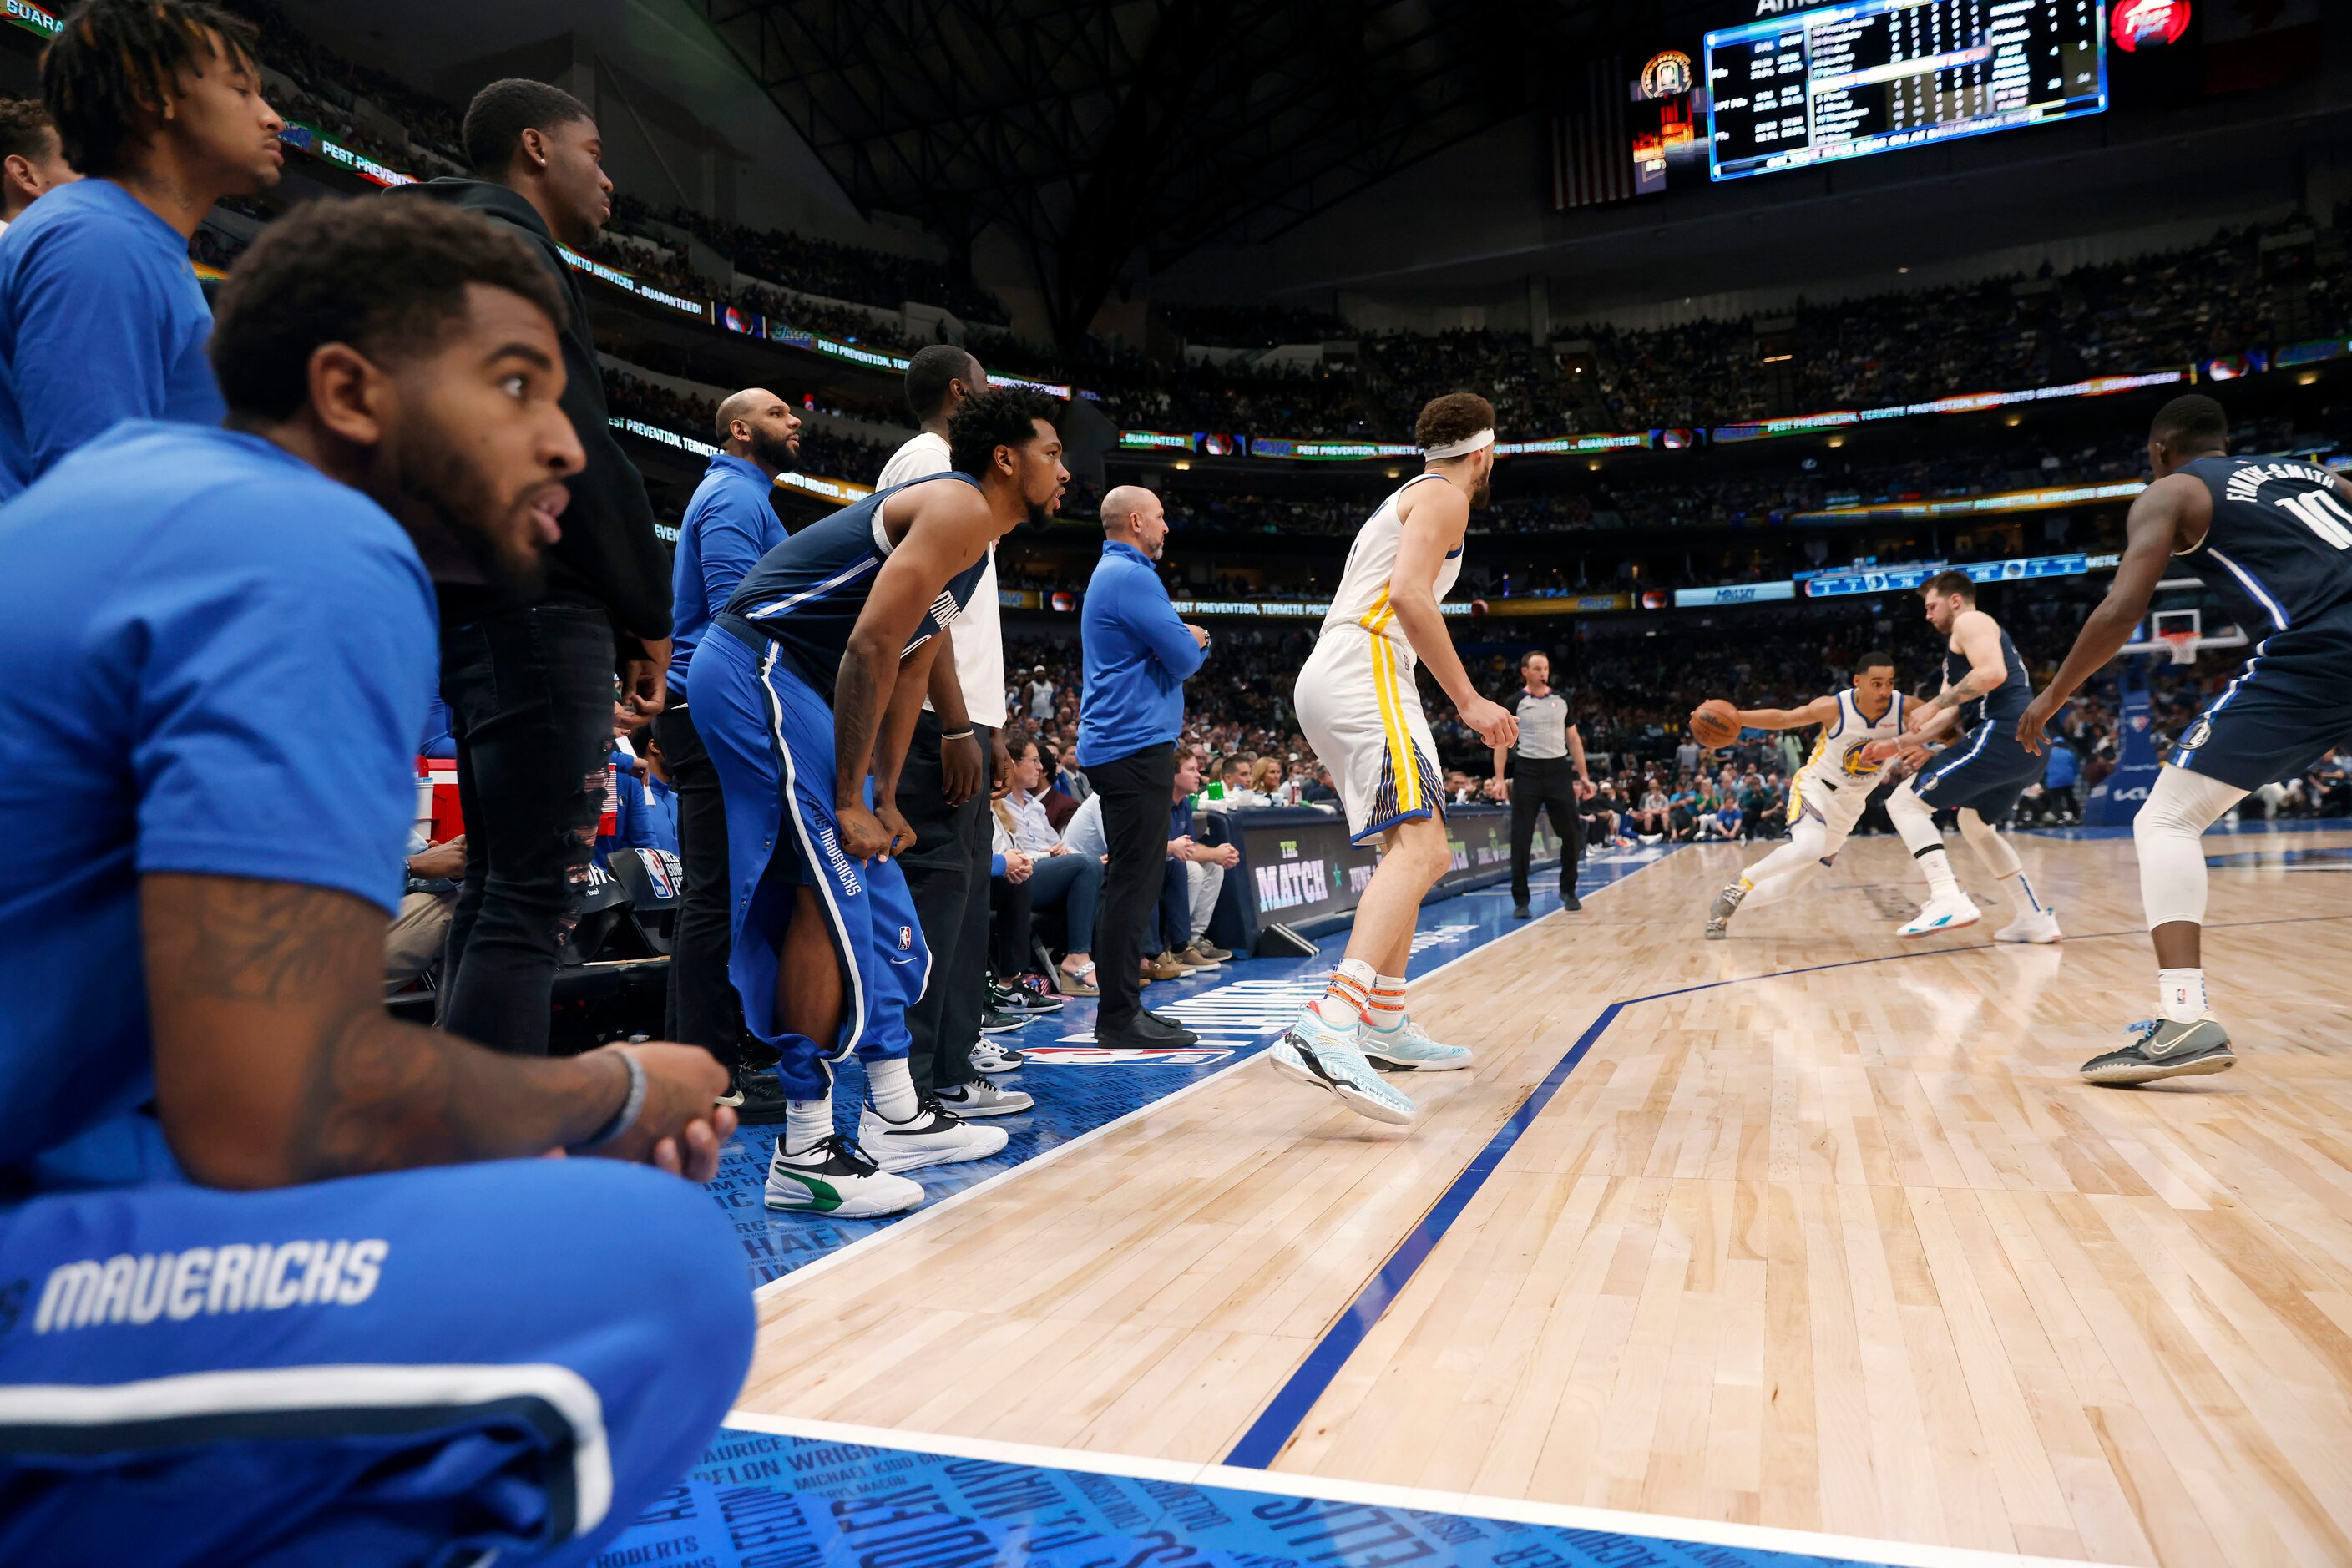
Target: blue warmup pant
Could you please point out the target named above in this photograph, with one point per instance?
(413, 1368)
(772, 738)
(1986, 768)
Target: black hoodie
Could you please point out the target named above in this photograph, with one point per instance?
(608, 554)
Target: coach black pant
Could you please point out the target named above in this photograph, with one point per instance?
(701, 1008)
(530, 704)
(1136, 792)
(946, 873)
(1546, 784)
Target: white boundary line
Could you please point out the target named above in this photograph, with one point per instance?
(1473, 1505)
(929, 1213)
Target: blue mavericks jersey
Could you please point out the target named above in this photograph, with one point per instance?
(2005, 703)
(807, 592)
(2281, 542)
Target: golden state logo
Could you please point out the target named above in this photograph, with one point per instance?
(1855, 765)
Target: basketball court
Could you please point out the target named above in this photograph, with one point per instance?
(1808, 1241)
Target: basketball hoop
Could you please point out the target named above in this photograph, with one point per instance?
(2181, 646)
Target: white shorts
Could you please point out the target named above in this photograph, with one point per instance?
(1836, 807)
(1358, 708)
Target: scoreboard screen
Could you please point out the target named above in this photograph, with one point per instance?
(1872, 76)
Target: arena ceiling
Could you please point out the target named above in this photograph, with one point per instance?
(1097, 133)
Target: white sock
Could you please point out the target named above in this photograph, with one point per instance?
(1347, 993)
(892, 1089)
(1387, 1009)
(1941, 883)
(807, 1122)
(2180, 995)
(2025, 887)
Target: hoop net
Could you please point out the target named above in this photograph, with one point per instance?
(2181, 646)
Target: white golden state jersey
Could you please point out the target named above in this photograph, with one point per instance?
(1836, 781)
(1362, 599)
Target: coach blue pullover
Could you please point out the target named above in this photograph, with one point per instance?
(1137, 656)
(728, 525)
(101, 320)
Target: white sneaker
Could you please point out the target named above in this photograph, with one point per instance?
(1407, 1049)
(984, 1099)
(835, 1177)
(934, 1137)
(989, 1056)
(1941, 915)
(1314, 1053)
(2031, 925)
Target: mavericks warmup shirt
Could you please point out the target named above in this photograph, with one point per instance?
(728, 525)
(101, 320)
(223, 659)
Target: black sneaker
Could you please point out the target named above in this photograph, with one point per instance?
(1021, 999)
(757, 1097)
(1570, 902)
(996, 1021)
(1146, 1033)
(1520, 911)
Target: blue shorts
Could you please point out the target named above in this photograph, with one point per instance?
(2288, 706)
(770, 738)
(418, 1367)
(1986, 768)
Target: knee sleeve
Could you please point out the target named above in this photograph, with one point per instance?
(1790, 865)
(1990, 846)
(2181, 806)
(1914, 818)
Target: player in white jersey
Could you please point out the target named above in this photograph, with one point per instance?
(1827, 796)
(1358, 707)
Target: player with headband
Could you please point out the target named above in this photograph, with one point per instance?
(1358, 707)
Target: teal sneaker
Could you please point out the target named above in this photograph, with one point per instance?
(1407, 1049)
(1314, 1053)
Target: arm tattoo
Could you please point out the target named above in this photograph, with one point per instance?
(858, 699)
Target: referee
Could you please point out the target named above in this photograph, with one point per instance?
(1547, 774)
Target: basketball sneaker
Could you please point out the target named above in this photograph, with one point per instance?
(2164, 1050)
(934, 1136)
(1408, 1049)
(1719, 918)
(2031, 925)
(1941, 915)
(987, 1055)
(984, 1099)
(835, 1177)
(1314, 1053)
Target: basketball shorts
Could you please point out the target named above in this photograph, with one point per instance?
(1358, 708)
(436, 1366)
(770, 739)
(2285, 709)
(1985, 769)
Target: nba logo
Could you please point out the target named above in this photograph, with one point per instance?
(906, 938)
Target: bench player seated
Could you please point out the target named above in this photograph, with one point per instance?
(1831, 790)
(807, 694)
(291, 1281)
(2274, 538)
(1358, 709)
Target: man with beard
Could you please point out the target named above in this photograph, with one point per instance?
(1358, 710)
(530, 682)
(271, 1299)
(807, 683)
(728, 525)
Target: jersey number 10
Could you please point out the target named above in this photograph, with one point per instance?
(2323, 515)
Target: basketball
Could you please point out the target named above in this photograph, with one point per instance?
(1715, 723)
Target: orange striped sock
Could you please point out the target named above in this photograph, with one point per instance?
(1386, 1009)
(1343, 1001)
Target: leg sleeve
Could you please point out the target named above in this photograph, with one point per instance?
(1983, 837)
(1914, 819)
(1789, 865)
(514, 1356)
(2166, 834)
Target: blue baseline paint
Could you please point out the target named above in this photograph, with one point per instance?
(1280, 1421)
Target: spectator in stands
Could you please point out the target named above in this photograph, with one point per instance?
(196, 1051)
(645, 806)
(1040, 692)
(1061, 877)
(530, 682)
(2060, 781)
(1199, 867)
(32, 159)
(728, 525)
(1138, 655)
(1320, 790)
(101, 318)
(955, 764)
(428, 899)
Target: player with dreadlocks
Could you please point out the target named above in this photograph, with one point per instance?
(158, 102)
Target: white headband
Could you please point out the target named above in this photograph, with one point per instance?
(1462, 448)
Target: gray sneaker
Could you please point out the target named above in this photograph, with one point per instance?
(2163, 1049)
(1719, 918)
